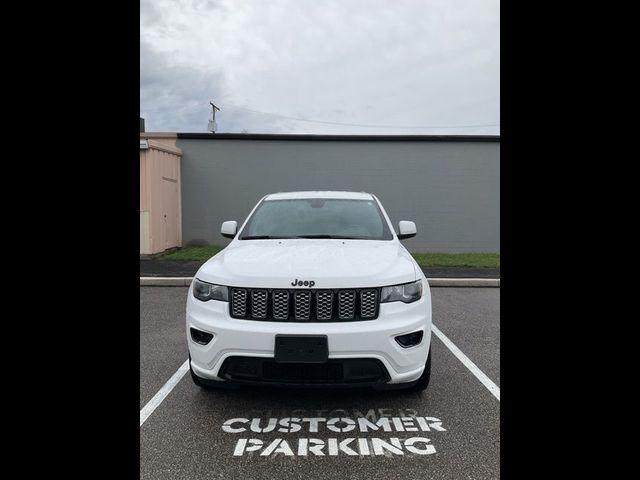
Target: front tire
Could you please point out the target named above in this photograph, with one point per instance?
(207, 384)
(423, 382)
(195, 378)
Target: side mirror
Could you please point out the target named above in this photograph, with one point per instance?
(229, 229)
(406, 229)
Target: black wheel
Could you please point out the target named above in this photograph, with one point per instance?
(423, 382)
(208, 384)
(195, 378)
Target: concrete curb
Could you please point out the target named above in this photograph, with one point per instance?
(433, 282)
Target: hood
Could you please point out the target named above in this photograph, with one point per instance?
(328, 263)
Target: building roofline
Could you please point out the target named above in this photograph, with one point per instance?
(350, 138)
(163, 147)
(158, 134)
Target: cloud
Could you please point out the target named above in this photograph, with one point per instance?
(404, 63)
(173, 98)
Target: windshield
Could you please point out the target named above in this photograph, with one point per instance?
(317, 218)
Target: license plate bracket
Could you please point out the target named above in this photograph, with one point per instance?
(301, 349)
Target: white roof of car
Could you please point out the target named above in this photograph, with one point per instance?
(325, 194)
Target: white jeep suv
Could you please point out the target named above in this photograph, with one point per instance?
(315, 289)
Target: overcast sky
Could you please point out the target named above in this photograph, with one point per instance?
(394, 65)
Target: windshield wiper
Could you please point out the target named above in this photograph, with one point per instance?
(262, 237)
(328, 236)
(273, 237)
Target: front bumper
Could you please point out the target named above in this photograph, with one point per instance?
(367, 339)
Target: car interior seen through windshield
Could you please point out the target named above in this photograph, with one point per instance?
(317, 218)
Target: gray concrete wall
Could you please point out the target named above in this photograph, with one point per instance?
(451, 189)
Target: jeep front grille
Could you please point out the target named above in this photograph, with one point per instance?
(280, 304)
(346, 304)
(324, 304)
(304, 305)
(239, 302)
(259, 303)
(302, 309)
(368, 303)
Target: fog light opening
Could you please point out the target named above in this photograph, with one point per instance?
(410, 339)
(200, 337)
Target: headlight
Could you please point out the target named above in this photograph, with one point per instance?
(208, 291)
(407, 293)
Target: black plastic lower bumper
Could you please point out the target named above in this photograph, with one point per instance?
(348, 372)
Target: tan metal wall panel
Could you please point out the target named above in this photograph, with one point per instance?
(145, 244)
(160, 194)
(157, 223)
(144, 181)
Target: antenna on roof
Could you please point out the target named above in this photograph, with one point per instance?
(212, 121)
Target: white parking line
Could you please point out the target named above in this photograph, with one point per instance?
(486, 381)
(163, 392)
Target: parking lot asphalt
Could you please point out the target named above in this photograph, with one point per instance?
(163, 346)
(185, 436)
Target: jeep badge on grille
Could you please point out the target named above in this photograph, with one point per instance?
(300, 283)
